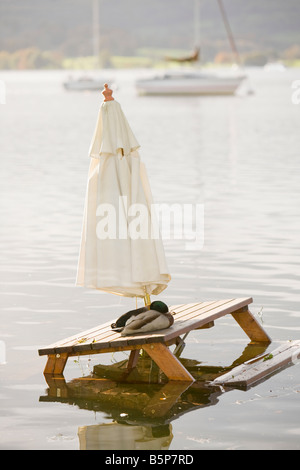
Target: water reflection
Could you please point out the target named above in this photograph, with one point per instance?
(141, 414)
(116, 436)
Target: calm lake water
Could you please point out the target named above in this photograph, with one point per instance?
(240, 157)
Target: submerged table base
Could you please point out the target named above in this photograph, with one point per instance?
(188, 317)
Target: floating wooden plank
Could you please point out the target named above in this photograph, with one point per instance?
(259, 368)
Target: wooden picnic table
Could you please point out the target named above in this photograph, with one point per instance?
(188, 317)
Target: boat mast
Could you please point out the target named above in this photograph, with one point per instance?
(197, 23)
(96, 33)
(229, 32)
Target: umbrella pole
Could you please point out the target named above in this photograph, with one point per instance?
(147, 299)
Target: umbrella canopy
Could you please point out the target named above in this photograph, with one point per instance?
(121, 251)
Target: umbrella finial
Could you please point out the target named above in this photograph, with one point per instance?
(107, 93)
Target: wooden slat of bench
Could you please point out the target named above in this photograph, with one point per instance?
(100, 338)
(109, 338)
(96, 339)
(200, 309)
(187, 317)
(177, 310)
(209, 312)
(122, 341)
(96, 334)
(190, 308)
(99, 335)
(184, 326)
(159, 336)
(104, 339)
(192, 312)
(51, 349)
(118, 341)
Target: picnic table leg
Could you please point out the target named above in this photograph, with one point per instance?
(57, 386)
(167, 362)
(56, 364)
(180, 345)
(133, 359)
(250, 325)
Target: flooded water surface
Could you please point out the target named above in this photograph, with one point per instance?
(237, 156)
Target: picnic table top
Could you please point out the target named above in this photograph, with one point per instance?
(187, 317)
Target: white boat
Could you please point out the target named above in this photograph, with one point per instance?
(275, 67)
(190, 83)
(196, 81)
(84, 84)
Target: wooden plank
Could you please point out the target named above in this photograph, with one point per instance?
(103, 350)
(208, 310)
(168, 363)
(52, 348)
(49, 368)
(102, 332)
(97, 334)
(199, 309)
(257, 369)
(56, 364)
(251, 326)
(102, 340)
(212, 311)
(208, 325)
(207, 305)
(180, 308)
(133, 359)
(180, 326)
(187, 317)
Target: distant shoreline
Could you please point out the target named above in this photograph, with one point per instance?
(35, 59)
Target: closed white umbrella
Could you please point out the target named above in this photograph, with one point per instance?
(121, 251)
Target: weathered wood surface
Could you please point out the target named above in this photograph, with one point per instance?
(259, 368)
(147, 371)
(250, 325)
(168, 363)
(56, 364)
(187, 317)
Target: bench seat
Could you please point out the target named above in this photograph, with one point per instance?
(187, 317)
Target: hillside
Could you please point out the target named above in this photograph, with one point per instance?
(126, 26)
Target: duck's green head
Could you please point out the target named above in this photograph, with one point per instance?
(159, 306)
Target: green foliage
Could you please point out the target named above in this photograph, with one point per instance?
(49, 34)
(30, 58)
(256, 58)
(267, 358)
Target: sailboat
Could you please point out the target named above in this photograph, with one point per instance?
(185, 81)
(86, 82)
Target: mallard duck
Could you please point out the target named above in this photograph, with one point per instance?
(148, 321)
(155, 316)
